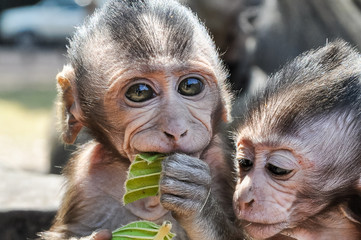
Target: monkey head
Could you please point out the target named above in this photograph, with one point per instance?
(298, 149)
(143, 77)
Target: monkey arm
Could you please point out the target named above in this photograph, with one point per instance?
(95, 180)
(186, 190)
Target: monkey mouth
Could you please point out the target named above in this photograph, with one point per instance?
(133, 154)
(169, 149)
(262, 230)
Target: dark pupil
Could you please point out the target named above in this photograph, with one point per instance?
(140, 93)
(277, 170)
(245, 164)
(190, 87)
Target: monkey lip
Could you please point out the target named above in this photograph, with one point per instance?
(169, 150)
(263, 230)
(154, 141)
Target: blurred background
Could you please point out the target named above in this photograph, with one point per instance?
(255, 38)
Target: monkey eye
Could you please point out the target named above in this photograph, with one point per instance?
(190, 86)
(140, 92)
(277, 171)
(245, 164)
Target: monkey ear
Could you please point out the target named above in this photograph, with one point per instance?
(352, 208)
(69, 109)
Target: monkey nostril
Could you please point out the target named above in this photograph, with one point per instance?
(185, 133)
(249, 204)
(244, 205)
(175, 136)
(169, 135)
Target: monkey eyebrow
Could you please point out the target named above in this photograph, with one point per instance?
(244, 143)
(187, 68)
(204, 69)
(122, 73)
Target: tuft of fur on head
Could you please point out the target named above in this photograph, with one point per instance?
(315, 83)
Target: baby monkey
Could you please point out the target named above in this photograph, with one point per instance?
(299, 150)
(142, 76)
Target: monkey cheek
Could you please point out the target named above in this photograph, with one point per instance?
(254, 219)
(150, 143)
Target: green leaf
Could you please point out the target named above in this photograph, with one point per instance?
(143, 177)
(151, 157)
(141, 230)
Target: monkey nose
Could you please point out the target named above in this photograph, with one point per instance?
(244, 193)
(243, 205)
(174, 135)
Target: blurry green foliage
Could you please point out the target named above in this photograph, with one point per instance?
(32, 99)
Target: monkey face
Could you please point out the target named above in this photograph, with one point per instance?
(163, 106)
(272, 168)
(265, 189)
(167, 110)
(143, 82)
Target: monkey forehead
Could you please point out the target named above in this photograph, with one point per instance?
(101, 54)
(250, 141)
(112, 66)
(331, 139)
(335, 135)
(327, 124)
(163, 68)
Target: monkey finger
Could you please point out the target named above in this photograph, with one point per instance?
(180, 205)
(183, 189)
(186, 160)
(188, 175)
(198, 173)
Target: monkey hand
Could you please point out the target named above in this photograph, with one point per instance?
(185, 189)
(185, 185)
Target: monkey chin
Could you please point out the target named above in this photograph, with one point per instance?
(261, 230)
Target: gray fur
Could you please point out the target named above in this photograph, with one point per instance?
(315, 83)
